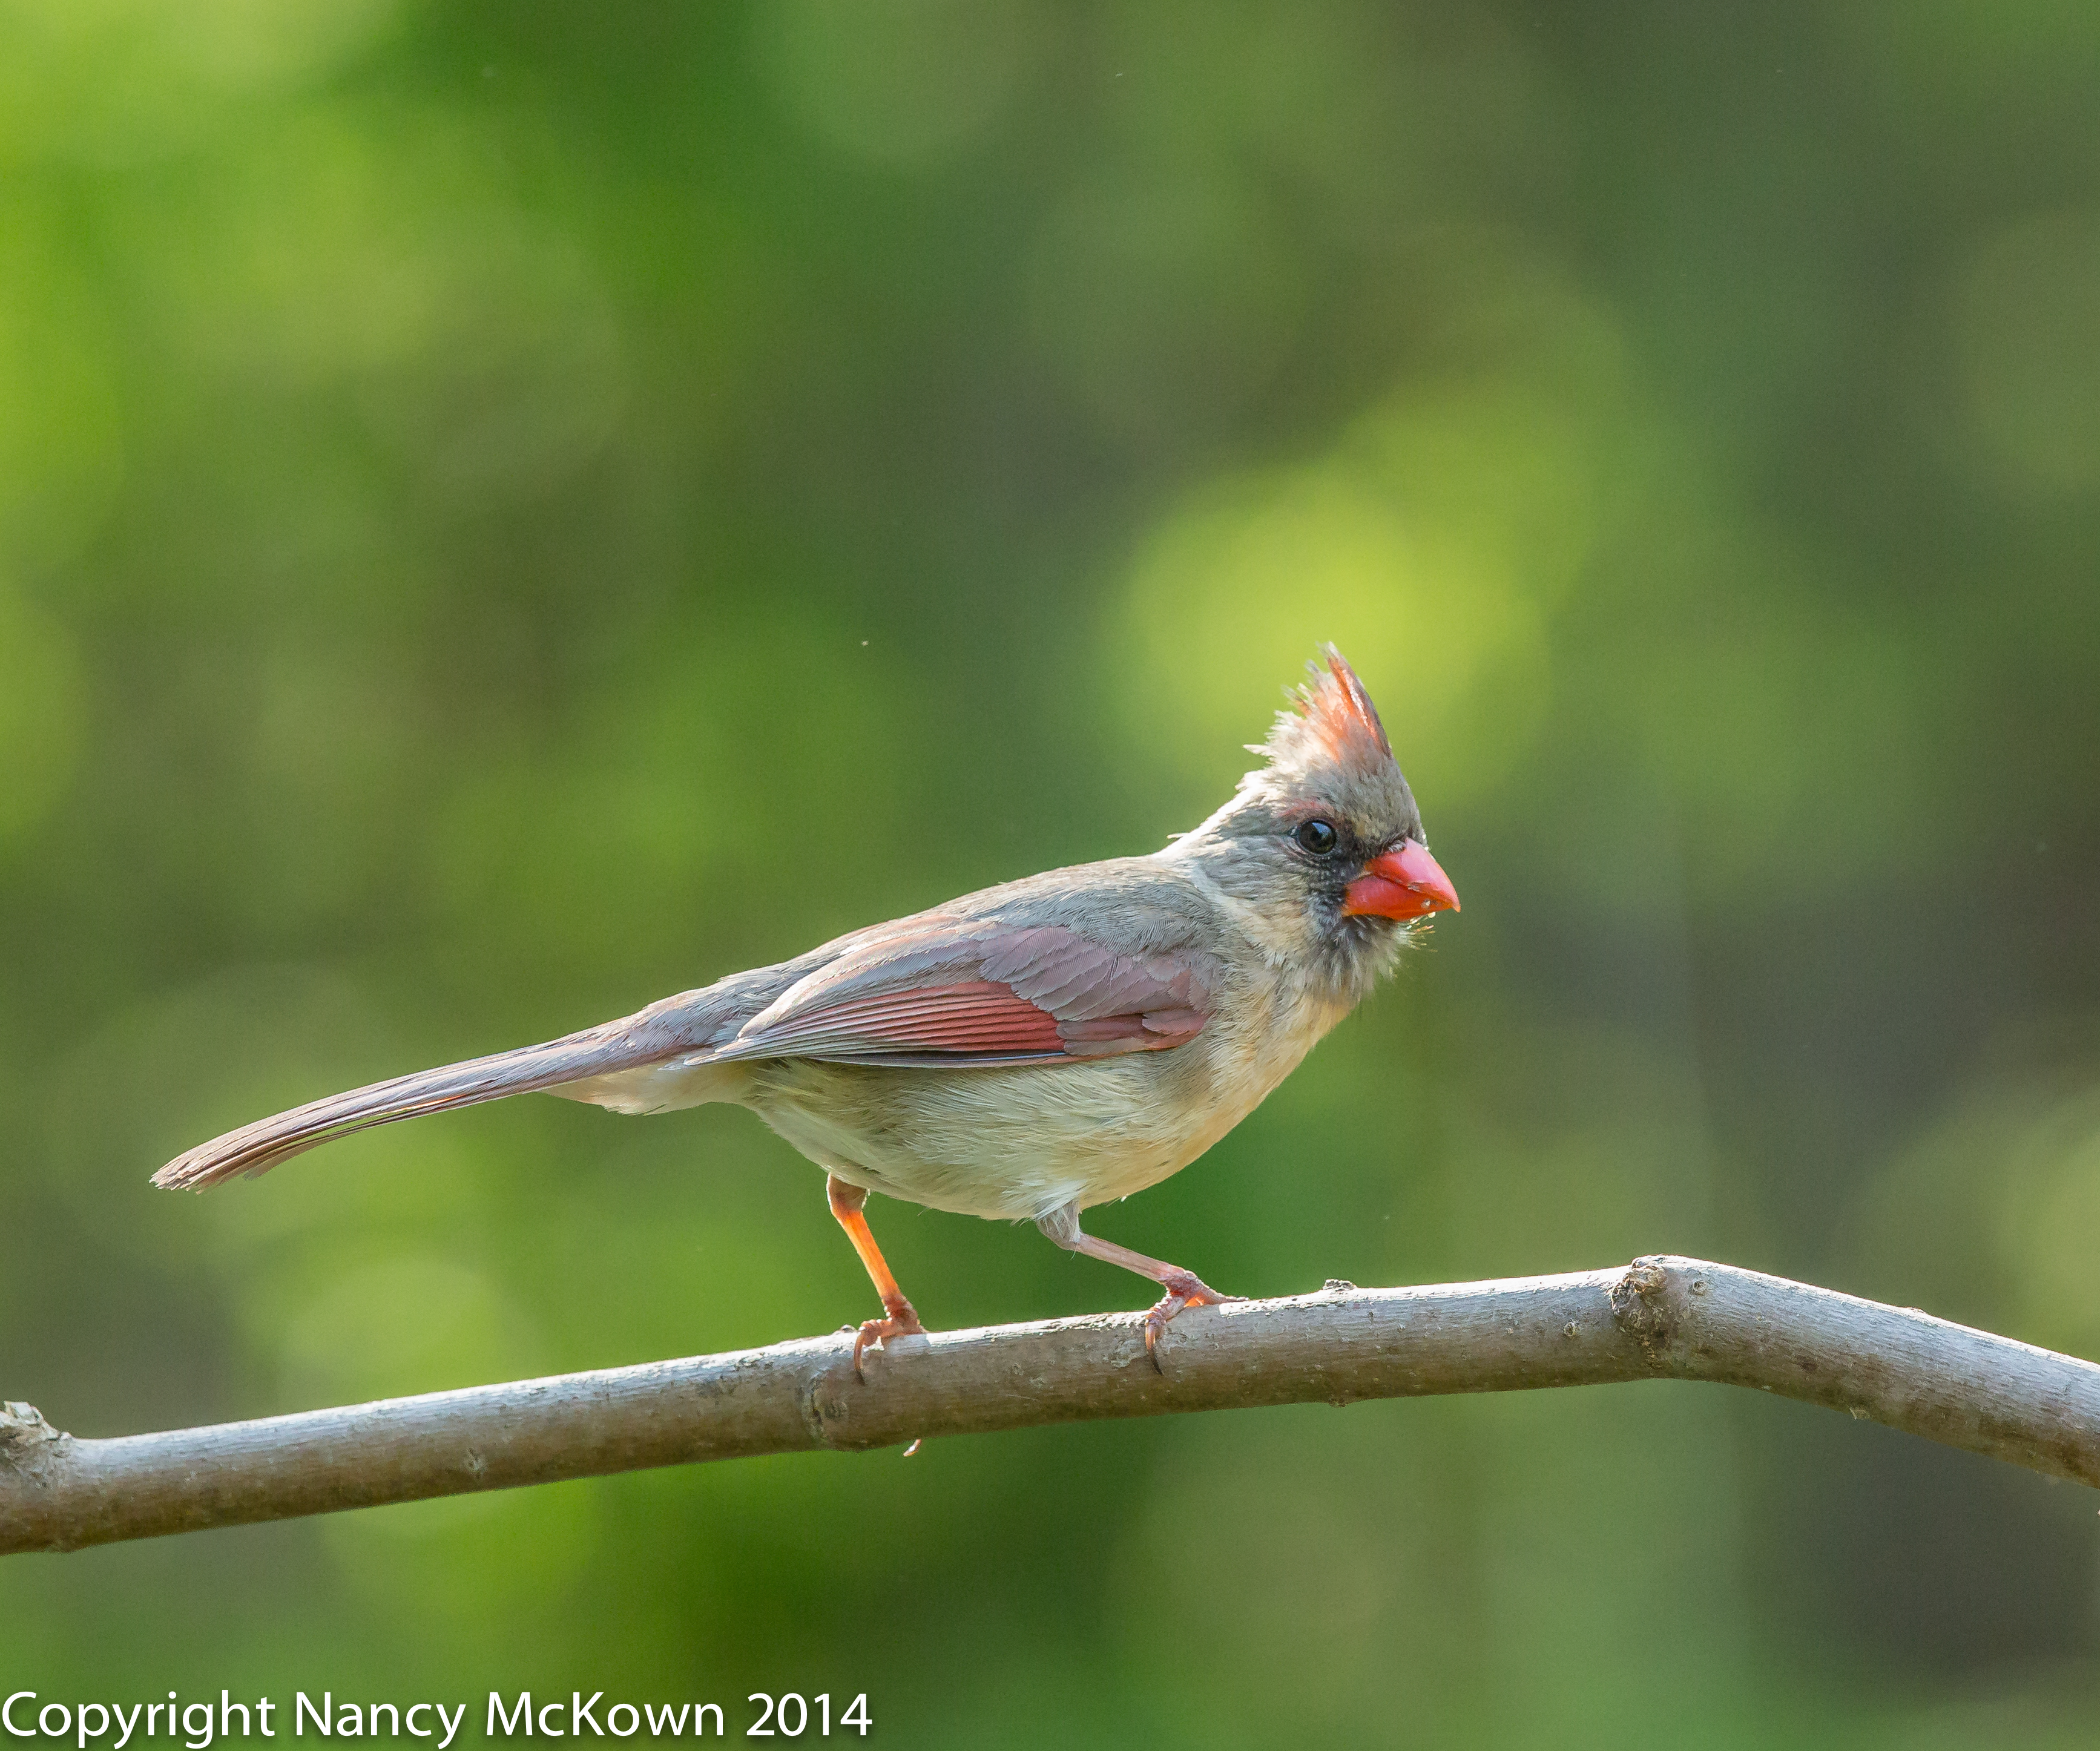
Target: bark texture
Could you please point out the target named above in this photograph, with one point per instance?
(1660, 1318)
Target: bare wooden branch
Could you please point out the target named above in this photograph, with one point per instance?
(1658, 1318)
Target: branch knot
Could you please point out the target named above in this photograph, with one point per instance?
(24, 1437)
(1640, 1308)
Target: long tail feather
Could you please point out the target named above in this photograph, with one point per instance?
(627, 1044)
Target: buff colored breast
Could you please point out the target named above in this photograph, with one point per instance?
(1017, 1142)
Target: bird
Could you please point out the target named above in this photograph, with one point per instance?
(1027, 1052)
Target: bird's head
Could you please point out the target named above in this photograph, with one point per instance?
(1323, 844)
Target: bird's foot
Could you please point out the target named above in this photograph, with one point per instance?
(1183, 1289)
(900, 1320)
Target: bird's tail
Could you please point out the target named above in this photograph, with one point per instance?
(649, 1038)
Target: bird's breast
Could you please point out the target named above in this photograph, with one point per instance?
(1017, 1142)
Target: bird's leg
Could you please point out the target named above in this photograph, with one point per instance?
(1183, 1289)
(900, 1319)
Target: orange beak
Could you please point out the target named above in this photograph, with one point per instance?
(1401, 883)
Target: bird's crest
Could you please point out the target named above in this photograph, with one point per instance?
(1333, 722)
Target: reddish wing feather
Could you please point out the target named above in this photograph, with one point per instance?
(972, 1017)
(980, 992)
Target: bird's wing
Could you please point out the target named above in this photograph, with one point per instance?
(948, 990)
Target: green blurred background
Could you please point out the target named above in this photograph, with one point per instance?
(507, 511)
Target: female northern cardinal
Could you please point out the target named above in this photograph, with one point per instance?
(1028, 1050)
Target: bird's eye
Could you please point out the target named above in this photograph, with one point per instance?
(1318, 837)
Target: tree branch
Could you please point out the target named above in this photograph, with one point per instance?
(1658, 1318)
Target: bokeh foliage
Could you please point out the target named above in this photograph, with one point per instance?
(506, 511)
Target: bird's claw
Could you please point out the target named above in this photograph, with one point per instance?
(900, 1320)
(1183, 1289)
